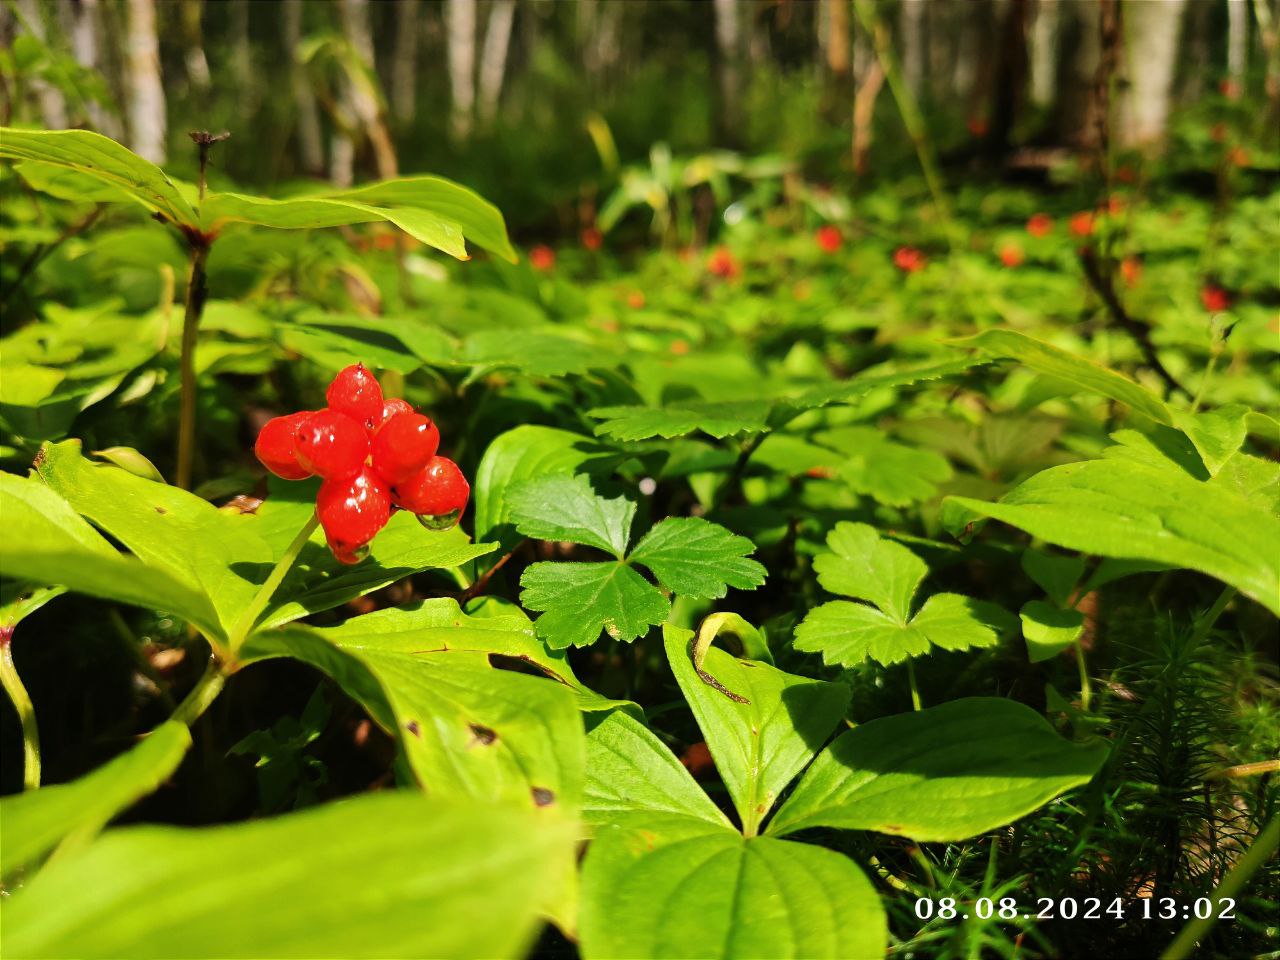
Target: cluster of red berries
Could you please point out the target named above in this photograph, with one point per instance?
(374, 455)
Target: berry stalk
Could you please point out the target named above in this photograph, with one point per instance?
(17, 692)
(260, 599)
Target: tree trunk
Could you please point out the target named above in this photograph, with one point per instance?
(493, 58)
(360, 90)
(1237, 42)
(310, 145)
(1153, 53)
(82, 23)
(404, 64)
(147, 120)
(460, 16)
(194, 58)
(53, 106)
(1044, 53)
(727, 38)
(911, 24)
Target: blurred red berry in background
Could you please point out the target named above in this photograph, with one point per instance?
(542, 258)
(1040, 225)
(908, 259)
(829, 238)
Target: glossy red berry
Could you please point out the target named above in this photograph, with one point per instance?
(356, 393)
(275, 448)
(403, 445)
(437, 493)
(331, 444)
(352, 511)
(391, 408)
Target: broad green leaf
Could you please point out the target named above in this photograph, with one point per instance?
(1253, 479)
(68, 183)
(892, 473)
(1049, 630)
(861, 564)
(762, 725)
(580, 600)
(1217, 434)
(946, 773)
(103, 159)
(1054, 362)
(864, 382)
(634, 781)
(18, 601)
(534, 352)
(566, 508)
(1056, 574)
(716, 418)
(38, 820)
(1130, 510)
(723, 896)
(214, 553)
(46, 542)
(955, 622)
(849, 633)
(383, 343)
(697, 558)
(522, 454)
(382, 875)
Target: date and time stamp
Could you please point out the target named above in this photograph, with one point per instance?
(1071, 908)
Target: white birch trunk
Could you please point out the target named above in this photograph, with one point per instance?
(1152, 31)
(1237, 41)
(404, 64)
(460, 18)
(310, 145)
(912, 27)
(1044, 53)
(727, 38)
(493, 58)
(147, 120)
(53, 105)
(196, 63)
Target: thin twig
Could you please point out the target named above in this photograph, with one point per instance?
(482, 582)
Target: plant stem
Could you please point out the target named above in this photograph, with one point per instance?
(1263, 847)
(1085, 688)
(1211, 616)
(915, 691)
(202, 694)
(197, 293)
(26, 712)
(268, 588)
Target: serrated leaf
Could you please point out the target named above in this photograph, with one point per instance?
(764, 729)
(419, 877)
(892, 473)
(861, 564)
(581, 600)
(849, 633)
(566, 508)
(37, 820)
(1130, 510)
(719, 895)
(716, 418)
(1217, 434)
(945, 773)
(955, 622)
(1049, 630)
(697, 558)
(860, 384)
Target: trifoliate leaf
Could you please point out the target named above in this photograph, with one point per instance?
(892, 473)
(863, 565)
(699, 559)
(579, 600)
(849, 633)
(566, 508)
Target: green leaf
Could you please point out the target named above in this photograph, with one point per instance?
(534, 352)
(849, 633)
(47, 542)
(38, 820)
(892, 473)
(942, 774)
(1130, 510)
(1053, 362)
(861, 564)
(388, 874)
(634, 781)
(864, 382)
(1217, 434)
(720, 895)
(425, 673)
(566, 508)
(1049, 630)
(955, 622)
(1055, 574)
(580, 600)
(762, 725)
(103, 159)
(697, 558)
(717, 418)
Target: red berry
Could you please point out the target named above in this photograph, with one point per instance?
(1011, 255)
(331, 444)
(275, 449)
(403, 445)
(437, 490)
(356, 393)
(542, 258)
(392, 407)
(908, 259)
(829, 238)
(1040, 225)
(352, 511)
(1081, 224)
(1214, 298)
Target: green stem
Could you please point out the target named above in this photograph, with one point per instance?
(1263, 847)
(197, 293)
(260, 599)
(204, 693)
(915, 691)
(26, 712)
(1085, 688)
